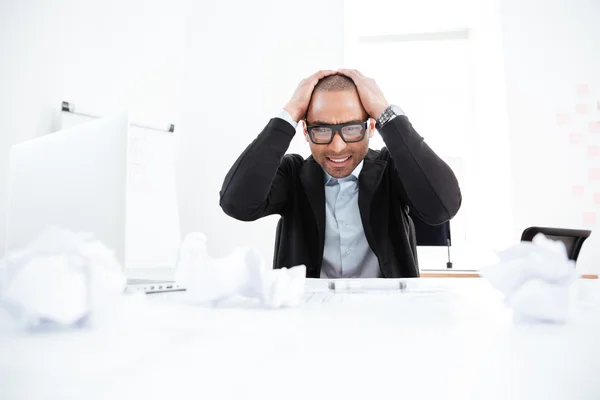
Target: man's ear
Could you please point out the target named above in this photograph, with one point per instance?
(371, 127)
(303, 122)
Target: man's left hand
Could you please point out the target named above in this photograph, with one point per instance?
(370, 94)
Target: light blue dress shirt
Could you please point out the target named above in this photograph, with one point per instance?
(346, 253)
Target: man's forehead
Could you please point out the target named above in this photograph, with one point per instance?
(335, 108)
(334, 118)
(333, 121)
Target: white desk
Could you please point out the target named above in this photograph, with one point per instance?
(441, 339)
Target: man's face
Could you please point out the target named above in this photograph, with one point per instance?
(338, 158)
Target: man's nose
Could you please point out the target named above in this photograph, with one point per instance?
(337, 145)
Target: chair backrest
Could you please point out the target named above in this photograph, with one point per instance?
(572, 238)
(432, 235)
(277, 241)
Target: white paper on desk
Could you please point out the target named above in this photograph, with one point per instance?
(241, 274)
(535, 278)
(60, 279)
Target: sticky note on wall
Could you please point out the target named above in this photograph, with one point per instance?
(582, 90)
(589, 218)
(576, 137)
(562, 119)
(578, 190)
(594, 174)
(582, 108)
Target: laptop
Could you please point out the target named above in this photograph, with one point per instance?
(77, 179)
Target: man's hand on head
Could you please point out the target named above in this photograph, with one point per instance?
(370, 94)
(298, 104)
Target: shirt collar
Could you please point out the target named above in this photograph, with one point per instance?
(353, 175)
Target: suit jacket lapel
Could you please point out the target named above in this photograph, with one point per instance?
(368, 181)
(312, 178)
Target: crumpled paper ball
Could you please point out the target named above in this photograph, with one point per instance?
(60, 279)
(242, 273)
(535, 278)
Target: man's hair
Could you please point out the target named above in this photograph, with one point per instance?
(335, 83)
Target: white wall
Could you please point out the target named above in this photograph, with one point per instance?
(26, 88)
(242, 65)
(550, 47)
(242, 62)
(102, 56)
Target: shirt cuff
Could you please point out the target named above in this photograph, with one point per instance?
(400, 112)
(284, 115)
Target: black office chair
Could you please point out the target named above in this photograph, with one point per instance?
(425, 235)
(277, 241)
(572, 238)
(433, 235)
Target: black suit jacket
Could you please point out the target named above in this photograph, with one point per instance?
(405, 176)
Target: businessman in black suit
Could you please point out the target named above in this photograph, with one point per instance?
(346, 208)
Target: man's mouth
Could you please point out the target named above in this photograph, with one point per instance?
(338, 161)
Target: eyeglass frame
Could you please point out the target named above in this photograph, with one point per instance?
(338, 128)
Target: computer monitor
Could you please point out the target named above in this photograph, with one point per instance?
(77, 179)
(74, 179)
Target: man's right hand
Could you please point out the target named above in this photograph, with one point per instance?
(298, 104)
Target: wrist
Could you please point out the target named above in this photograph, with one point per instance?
(294, 113)
(388, 114)
(378, 111)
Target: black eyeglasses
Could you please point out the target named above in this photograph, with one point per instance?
(350, 132)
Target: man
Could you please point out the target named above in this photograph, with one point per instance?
(346, 208)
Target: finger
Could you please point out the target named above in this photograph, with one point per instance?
(316, 77)
(350, 73)
(355, 72)
(323, 73)
(346, 72)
